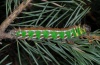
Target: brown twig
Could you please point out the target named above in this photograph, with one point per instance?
(91, 38)
(13, 15)
(10, 19)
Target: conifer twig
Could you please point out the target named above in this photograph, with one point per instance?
(10, 19)
(13, 15)
(91, 37)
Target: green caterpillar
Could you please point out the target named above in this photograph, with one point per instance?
(49, 33)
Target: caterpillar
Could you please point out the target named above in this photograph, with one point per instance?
(49, 33)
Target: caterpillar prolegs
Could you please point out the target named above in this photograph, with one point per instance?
(49, 33)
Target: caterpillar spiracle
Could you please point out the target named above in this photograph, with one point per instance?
(49, 33)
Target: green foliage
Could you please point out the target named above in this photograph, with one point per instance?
(54, 52)
(1, 51)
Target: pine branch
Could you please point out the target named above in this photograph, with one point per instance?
(91, 37)
(10, 19)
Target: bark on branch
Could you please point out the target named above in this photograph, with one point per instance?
(10, 19)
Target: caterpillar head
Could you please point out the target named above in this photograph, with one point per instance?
(86, 27)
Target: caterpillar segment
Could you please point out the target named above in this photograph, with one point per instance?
(49, 33)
